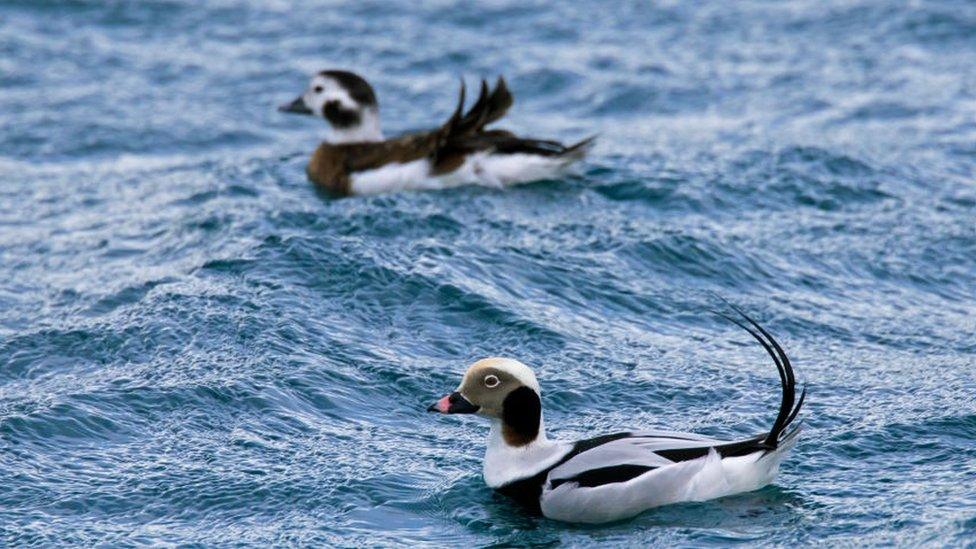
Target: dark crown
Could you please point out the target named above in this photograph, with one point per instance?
(358, 88)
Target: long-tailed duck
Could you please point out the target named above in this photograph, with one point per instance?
(619, 475)
(357, 160)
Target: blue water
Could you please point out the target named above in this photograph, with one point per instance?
(197, 348)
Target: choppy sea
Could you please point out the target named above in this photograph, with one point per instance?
(196, 348)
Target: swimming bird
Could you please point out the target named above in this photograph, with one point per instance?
(619, 475)
(356, 159)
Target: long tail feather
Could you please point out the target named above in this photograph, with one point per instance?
(789, 405)
(580, 148)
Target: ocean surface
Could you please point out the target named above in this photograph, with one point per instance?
(197, 348)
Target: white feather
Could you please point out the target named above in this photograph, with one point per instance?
(504, 463)
(699, 479)
(618, 452)
(487, 169)
(323, 89)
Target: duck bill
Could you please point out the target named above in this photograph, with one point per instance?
(453, 403)
(297, 106)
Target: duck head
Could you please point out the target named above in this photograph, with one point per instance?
(346, 101)
(504, 390)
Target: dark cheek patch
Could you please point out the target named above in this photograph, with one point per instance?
(340, 117)
(521, 414)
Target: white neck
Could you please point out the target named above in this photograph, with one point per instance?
(368, 130)
(505, 463)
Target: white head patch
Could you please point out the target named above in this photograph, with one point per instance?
(348, 103)
(324, 89)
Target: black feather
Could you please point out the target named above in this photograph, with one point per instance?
(789, 406)
(604, 475)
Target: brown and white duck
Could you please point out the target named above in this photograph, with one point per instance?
(356, 159)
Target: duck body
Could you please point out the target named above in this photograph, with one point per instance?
(618, 476)
(357, 160)
(399, 165)
(614, 476)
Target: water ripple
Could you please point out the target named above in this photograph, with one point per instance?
(196, 348)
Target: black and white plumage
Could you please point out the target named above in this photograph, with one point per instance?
(356, 159)
(619, 475)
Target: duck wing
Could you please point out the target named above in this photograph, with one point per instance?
(505, 142)
(463, 135)
(437, 144)
(622, 456)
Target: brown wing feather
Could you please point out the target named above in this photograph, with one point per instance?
(487, 109)
(500, 101)
(476, 115)
(455, 144)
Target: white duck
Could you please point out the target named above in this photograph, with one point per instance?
(614, 476)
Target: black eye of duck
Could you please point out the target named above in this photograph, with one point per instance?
(318, 89)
